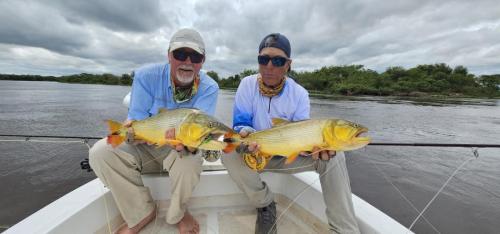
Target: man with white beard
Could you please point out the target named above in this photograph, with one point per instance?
(177, 84)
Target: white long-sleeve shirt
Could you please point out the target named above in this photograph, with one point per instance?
(254, 110)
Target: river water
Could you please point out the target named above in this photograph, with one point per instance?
(34, 174)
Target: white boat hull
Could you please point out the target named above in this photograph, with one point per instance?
(89, 208)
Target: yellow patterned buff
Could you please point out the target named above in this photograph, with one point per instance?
(270, 92)
(184, 94)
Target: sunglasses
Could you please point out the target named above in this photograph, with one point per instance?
(277, 61)
(182, 55)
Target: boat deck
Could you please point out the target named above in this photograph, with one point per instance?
(217, 203)
(231, 216)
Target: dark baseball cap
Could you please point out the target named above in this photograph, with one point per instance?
(276, 40)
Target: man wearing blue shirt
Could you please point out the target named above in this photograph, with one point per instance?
(271, 94)
(172, 85)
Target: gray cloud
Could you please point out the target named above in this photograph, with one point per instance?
(65, 37)
(124, 15)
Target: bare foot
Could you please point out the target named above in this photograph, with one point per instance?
(134, 230)
(188, 224)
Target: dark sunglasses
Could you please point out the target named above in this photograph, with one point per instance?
(277, 61)
(182, 55)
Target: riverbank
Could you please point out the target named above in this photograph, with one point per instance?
(429, 81)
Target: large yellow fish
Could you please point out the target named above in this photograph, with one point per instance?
(193, 128)
(289, 139)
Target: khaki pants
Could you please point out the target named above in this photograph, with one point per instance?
(334, 183)
(120, 170)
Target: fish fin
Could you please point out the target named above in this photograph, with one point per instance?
(233, 140)
(279, 121)
(291, 158)
(172, 142)
(114, 126)
(231, 135)
(159, 145)
(116, 136)
(115, 140)
(230, 147)
(161, 110)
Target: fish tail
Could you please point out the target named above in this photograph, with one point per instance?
(233, 140)
(291, 158)
(116, 135)
(114, 126)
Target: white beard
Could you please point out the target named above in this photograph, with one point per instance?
(184, 79)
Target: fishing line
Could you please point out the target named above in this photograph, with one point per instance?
(288, 169)
(44, 141)
(300, 194)
(108, 220)
(401, 193)
(476, 155)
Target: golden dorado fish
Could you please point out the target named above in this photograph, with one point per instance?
(193, 128)
(288, 139)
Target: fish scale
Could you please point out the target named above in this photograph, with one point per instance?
(298, 137)
(192, 127)
(289, 139)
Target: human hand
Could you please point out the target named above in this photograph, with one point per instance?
(130, 133)
(251, 147)
(245, 131)
(320, 154)
(170, 135)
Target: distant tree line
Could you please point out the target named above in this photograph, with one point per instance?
(83, 78)
(422, 80)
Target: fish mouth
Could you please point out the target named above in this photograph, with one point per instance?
(213, 141)
(360, 136)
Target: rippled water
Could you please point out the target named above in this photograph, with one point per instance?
(34, 174)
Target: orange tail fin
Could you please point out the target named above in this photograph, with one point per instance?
(115, 140)
(233, 140)
(113, 126)
(116, 136)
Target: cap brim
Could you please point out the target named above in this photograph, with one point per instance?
(194, 46)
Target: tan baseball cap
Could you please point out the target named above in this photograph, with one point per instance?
(189, 38)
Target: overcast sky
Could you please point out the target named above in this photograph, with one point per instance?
(60, 37)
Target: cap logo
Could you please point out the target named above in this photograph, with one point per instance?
(270, 40)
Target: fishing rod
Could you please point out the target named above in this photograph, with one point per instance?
(51, 136)
(416, 144)
(460, 145)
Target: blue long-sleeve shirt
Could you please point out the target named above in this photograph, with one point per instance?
(254, 110)
(151, 90)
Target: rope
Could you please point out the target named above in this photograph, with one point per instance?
(476, 155)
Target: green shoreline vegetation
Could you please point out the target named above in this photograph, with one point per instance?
(434, 80)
